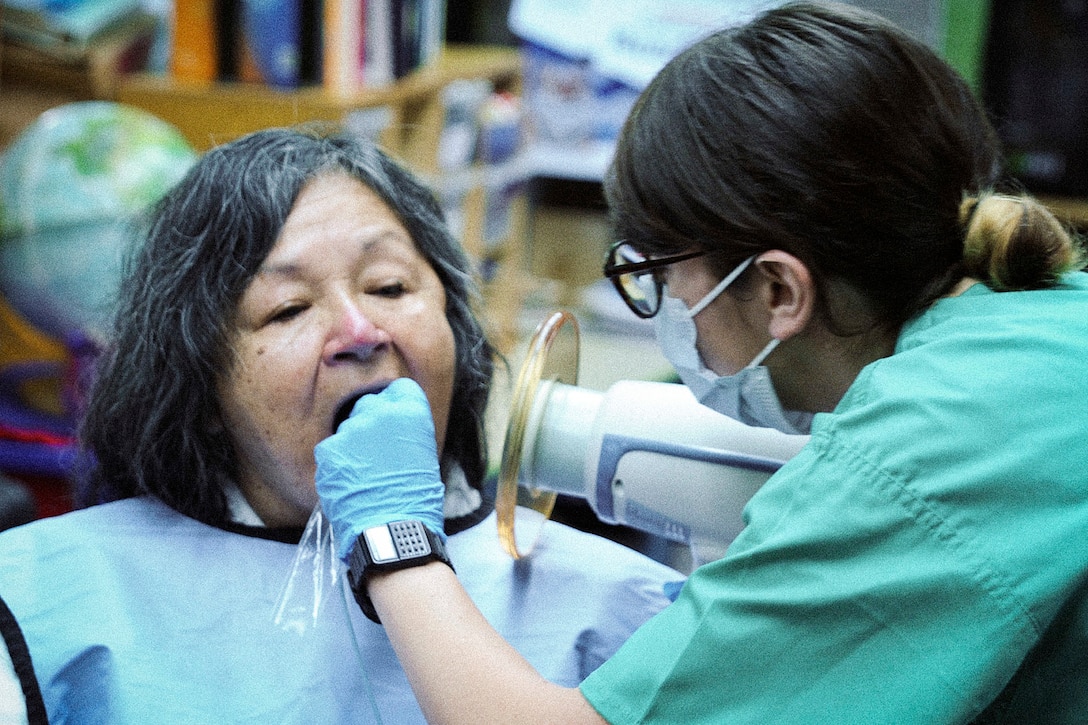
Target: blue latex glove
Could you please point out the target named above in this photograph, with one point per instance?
(381, 465)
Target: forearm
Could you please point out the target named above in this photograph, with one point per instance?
(459, 667)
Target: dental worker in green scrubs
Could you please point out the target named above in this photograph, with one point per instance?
(814, 214)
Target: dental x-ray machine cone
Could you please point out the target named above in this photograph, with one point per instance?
(642, 454)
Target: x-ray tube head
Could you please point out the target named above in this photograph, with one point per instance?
(554, 456)
(642, 454)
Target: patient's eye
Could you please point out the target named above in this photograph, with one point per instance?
(391, 290)
(287, 312)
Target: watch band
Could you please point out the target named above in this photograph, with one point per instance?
(396, 545)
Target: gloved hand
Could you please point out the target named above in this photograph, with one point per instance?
(381, 465)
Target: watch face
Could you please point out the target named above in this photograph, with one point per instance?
(380, 542)
(398, 541)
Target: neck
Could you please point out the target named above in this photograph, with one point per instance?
(822, 366)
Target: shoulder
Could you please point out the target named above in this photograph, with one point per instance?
(86, 527)
(1058, 315)
(962, 415)
(974, 364)
(115, 542)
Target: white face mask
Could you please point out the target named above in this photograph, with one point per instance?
(748, 395)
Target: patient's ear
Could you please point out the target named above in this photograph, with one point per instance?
(789, 291)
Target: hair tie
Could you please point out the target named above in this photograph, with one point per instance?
(968, 207)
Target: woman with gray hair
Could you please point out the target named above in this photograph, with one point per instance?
(288, 275)
(155, 422)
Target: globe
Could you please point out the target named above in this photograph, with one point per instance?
(73, 186)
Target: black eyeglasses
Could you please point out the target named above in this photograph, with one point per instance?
(640, 281)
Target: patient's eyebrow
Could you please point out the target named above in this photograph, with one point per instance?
(287, 270)
(389, 244)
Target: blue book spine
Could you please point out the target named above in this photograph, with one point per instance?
(273, 41)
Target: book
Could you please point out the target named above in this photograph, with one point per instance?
(228, 39)
(418, 28)
(407, 26)
(378, 60)
(67, 27)
(432, 35)
(91, 72)
(267, 36)
(279, 39)
(343, 55)
(194, 51)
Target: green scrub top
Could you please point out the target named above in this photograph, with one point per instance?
(923, 560)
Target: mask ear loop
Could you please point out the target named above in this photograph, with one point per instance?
(720, 287)
(767, 350)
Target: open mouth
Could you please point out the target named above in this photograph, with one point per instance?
(344, 409)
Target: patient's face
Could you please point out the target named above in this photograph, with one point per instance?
(343, 304)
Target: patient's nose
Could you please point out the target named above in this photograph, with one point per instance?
(354, 335)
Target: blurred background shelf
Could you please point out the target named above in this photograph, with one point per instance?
(208, 114)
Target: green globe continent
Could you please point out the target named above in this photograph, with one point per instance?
(73, 187)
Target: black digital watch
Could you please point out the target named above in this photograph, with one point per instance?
(396, 545)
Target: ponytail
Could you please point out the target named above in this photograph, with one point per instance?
(1015, 243)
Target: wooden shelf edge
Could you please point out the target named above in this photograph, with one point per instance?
(209, 114)
(454, 62)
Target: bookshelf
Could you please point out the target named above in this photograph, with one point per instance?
(213, 113)
(414, 118)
